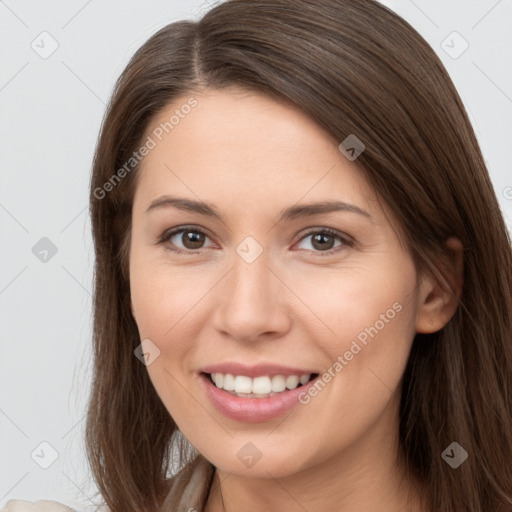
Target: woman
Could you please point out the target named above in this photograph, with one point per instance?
(333, 332)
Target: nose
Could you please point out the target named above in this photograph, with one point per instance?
(252, 302)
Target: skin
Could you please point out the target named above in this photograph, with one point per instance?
(251, 156)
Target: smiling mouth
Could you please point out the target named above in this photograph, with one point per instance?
(258, 387)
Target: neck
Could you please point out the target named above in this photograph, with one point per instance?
(365, 476)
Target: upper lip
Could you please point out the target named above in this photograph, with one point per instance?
(258, 370)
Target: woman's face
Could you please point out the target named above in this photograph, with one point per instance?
(263, 297)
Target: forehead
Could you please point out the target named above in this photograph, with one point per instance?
(236, 143)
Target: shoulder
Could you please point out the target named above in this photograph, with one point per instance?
(35, 506)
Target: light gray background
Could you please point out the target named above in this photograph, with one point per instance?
(51, 113)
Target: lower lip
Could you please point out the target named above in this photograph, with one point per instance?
(253, 410)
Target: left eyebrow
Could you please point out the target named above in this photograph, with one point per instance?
(306, 210)
(292, 212)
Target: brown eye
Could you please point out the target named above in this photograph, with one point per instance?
(321, 241)
(324, 240)
(190, 239)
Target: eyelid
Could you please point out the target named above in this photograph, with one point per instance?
(347, 241)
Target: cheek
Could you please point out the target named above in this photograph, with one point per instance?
(165, 303)
(161, 293)
(169, 304)
(370, 315)
(359, 304)
(375, 325)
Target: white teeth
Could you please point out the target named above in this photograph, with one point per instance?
(304, 378)
(278, 383)
(243, 384)
(219, 379)
(292, 381)
(229, 382)
(259, 387)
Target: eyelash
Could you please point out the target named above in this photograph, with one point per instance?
(346, 242)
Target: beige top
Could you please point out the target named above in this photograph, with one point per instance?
(189, 490)
(37, 506)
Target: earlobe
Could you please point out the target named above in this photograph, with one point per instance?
(437, 304)
(131, 307)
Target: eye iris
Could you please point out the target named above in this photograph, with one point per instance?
(322, 237)
(194, 238)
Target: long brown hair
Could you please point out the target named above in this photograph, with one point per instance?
(354, 67)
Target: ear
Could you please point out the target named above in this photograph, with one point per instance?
(436, 306)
